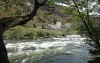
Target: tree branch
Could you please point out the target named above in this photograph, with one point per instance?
(9, 22)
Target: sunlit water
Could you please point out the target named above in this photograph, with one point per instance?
(69, 49)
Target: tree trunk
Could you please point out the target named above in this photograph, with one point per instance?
(3, 51)
(9, 22)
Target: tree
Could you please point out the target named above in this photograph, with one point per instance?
(82, 9)
(85, 18)
(9, 22)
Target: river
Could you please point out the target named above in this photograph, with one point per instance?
(69, 49)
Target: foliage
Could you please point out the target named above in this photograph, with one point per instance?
(13, 7)
(41, 33)
(19, 32)
(79, 11)
(31, 33)
(89, 29)
(34, 25)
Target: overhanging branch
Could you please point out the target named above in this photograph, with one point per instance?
(10, 22)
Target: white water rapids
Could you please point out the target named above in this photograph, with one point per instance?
(69, 49)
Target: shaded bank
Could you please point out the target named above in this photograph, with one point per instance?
(94, 52)
(96, 55)
(95, 60)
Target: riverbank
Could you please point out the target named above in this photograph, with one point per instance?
(21, 32)
(96, 55)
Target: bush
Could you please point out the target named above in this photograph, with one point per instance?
(41, 33)
(19, 32)
(31, 33)
(34, 25)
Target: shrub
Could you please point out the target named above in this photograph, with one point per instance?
(31, 33)
(34, 25)
(19, 32)
(41, 33)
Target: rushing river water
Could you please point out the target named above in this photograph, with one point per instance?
(69, 49)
